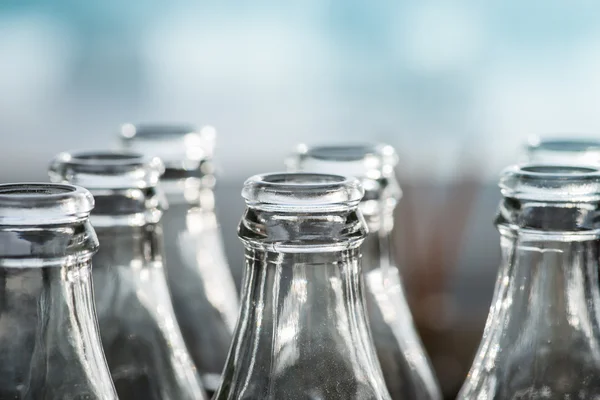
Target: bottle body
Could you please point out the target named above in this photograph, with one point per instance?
(202, 288)
(143, 343)
(542, 335)
(144, 347)
(405, 365)
(302, 331)
(50, 347)
(201, 285)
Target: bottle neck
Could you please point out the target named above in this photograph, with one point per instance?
(190, 192)
(57, 352)
(545, 312)
(550, 288)
(135, 246)
(302, 330)
(377, 247)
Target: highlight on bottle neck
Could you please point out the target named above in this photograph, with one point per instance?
(123, 183)
(302, 212)
(551, 199)
(45, 224)
(372, 164)
(574, 150)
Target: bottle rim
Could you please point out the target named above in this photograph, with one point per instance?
(302, 192)
(129, 131)
(181, 146)
(574, 144)
(37, 203)
(362, 160)
(565, 183)
(106, 169)
(576, 150)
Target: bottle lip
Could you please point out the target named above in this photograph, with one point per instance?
(181, 146)
(106, 169)
(577, 150)
(302, 192)
(34, 204)
(544, 182)
(362, 160)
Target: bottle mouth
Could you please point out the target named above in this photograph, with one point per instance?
(158, 130)
(106, 169)
(43, 204)
(302, 192)
(371, 161)
(551, 183)
(181, 147)
(356, 152)
(571, 150)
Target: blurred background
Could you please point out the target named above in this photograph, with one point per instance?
(456, 87)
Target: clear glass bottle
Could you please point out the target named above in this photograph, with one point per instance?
(49, 343)
(303, 331)
(406, 368)
(202, 288)
(142, 341)
(542, 336)
(575, 150)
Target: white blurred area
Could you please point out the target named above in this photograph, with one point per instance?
(435, 79)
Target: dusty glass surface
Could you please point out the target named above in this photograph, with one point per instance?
(303, 331)
(49, 343)
(200, 282)
(403, 360)
(143, 343)
(542, 336)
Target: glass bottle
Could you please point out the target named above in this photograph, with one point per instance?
(202, 288)
(302, 331)
(542, 336)
(144, 347)
(403, 360)
(575, 151)
(49, 343)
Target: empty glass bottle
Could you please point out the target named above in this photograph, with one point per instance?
(144, 347)
(202, 288)
(542, 336)
(49, 343)
(403, 360)
(302, 332)
(575, 151)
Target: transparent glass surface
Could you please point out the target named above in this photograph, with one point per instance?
(302, 331)
(573, 150)
(49, 343)
(403, 360)
(200, 282)
(143, 343)
(542, 336)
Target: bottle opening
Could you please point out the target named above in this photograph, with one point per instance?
(302, 192)
(182, 148)
(569, 145)
(300, 179)
(557, 170)
(34, 189)
(552, 183)
(129, 131)
(108, 157)
(106, 169)
(576, 151)
(341, 153)
(43, 203)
